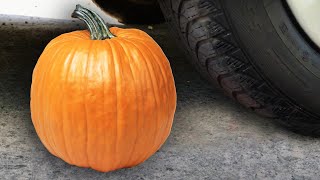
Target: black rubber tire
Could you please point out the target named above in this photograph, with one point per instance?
(256, 53)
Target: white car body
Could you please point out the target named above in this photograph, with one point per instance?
(53, 9)
(307, 13)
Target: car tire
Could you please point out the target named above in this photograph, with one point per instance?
(256, 52)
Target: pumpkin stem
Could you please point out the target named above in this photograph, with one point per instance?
(97, 27)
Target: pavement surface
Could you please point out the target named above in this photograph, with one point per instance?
(212, 136)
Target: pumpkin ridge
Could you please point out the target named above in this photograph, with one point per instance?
(115, 64)
(63, 112)
(156, 90)
(151, 77)
(165, 81)
(43, 84)
(133, 150)
(110, 64)
(106, 58)
(165, 66)
(128, 58)
(103, 94)
(85, 105)
(39, 115)
(51, 90)
(143, 121)
(130, 61)
(160, 100)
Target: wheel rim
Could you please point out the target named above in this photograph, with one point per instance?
(307, 14)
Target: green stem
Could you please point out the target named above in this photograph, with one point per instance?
(88, 21)
(97, 27)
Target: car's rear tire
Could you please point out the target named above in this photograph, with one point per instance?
(256, 52)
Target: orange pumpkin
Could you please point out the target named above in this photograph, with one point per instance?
(105, 102)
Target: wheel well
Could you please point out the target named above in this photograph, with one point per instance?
(133, 11)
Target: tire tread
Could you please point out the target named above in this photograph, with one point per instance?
(203, 28)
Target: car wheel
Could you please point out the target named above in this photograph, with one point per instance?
(256, 52)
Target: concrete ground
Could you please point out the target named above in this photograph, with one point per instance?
(212, 136)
